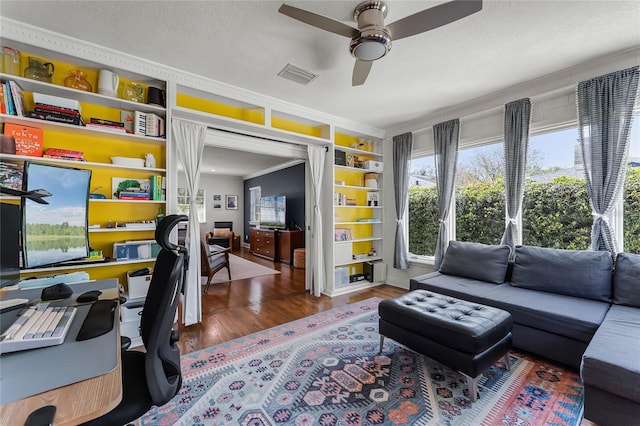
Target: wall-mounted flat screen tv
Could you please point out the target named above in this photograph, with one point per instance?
(273, 212)
(56, 232)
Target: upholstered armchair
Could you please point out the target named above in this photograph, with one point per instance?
(213, 262)
(222, 234)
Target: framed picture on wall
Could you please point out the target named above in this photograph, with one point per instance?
(232, 202)
(217, 205)
(218, 198)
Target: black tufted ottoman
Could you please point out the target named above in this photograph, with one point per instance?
(466, 336)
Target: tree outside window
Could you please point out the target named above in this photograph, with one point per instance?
(556, 209)
(480, 204)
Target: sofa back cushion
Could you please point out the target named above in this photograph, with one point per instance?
(626, 280)
(578, 273)
(476, 261)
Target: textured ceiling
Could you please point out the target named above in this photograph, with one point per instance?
(246, 43)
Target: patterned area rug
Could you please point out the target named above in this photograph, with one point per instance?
(325, 370)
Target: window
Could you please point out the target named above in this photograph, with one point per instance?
(423, 207)
(556, 212)
(480, 208)
(631, 192)
(183, 203)
(254, 205)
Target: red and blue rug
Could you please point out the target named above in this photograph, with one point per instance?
(325, 370)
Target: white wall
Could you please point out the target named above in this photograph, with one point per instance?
(221, 185)
(481, 122)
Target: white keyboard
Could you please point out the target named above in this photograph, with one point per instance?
(36, 327)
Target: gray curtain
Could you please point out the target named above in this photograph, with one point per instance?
(605, 112)
(402, 146)
(445, 140)
(517, 117)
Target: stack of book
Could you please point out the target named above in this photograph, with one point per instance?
(57, 109)
(134, 194)
(107, 125)
(64, 154)
(12, 99)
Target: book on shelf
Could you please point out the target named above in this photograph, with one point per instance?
(64, 154)
(134, 196)
(8, 99)
(3, 107)
(57, 118)
(55, 109)
(94, 120)
(57, 101)
(18, 99)
(28, 139)
(106, 128)
(156, 187)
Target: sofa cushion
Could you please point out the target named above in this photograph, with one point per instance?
(578, 273)
(476, 261)
(463, 288)
(572, 317)
(611, 362)
(626, 280)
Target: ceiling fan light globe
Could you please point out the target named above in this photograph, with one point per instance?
(370, 45)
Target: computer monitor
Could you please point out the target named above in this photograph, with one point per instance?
(56, 232)
(9, 244)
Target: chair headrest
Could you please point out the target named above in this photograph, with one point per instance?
(164, 228)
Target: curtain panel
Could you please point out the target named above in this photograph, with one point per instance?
(605, 113)
(189, 140)
(517, 118)
(317, 157)
(445, 138)
(402, 146)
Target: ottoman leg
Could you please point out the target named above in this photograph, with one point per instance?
(381, 343)
(507, 361)
(473, 387)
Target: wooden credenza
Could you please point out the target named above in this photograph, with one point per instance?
(263, 243)
(287, 242)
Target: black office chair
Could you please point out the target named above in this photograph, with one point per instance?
(154, 377)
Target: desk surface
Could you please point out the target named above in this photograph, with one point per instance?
(76, 402)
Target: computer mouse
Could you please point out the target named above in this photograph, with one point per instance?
(56, 291)
(89, 296)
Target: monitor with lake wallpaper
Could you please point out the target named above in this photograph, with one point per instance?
(273, 212)
(56, 232)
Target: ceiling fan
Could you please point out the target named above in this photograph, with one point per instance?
(372, 39)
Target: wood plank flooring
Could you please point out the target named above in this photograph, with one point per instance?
(232, 310)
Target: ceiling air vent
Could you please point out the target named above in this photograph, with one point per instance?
(297, 74)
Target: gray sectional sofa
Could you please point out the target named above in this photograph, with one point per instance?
(570, 306)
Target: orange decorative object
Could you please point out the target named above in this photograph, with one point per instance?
(78, 80)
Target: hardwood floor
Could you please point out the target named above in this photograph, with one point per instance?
(232, 310)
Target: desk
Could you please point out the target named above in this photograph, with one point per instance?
(77, 402)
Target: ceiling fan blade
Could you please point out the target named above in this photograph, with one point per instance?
(318, 21)
(360, 72)
(434, 17)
